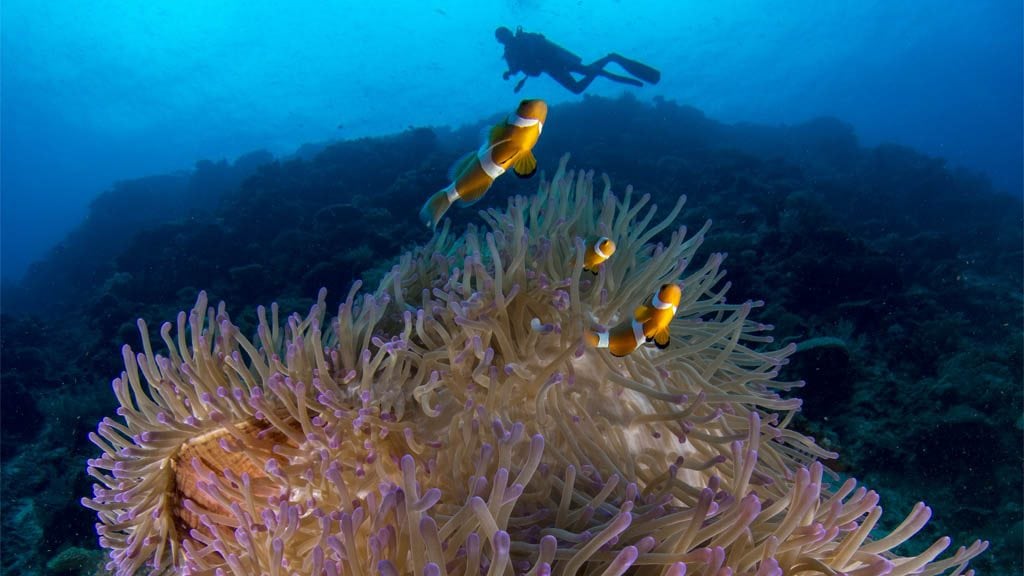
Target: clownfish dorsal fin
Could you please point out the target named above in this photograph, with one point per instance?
(661, 338)
(525, 165)
(460, 166)
(496, 133)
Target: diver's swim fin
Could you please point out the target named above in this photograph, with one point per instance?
(638, 69)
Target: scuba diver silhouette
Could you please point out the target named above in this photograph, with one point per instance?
(533, 54)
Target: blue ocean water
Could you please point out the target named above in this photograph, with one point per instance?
(101, 91)
(900, 269)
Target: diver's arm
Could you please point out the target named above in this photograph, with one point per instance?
(513, 70)
(513, 64)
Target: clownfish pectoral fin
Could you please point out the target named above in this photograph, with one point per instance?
(460, 166)
(661, 339)
(499, 146)
(435, 207)
(526, 165)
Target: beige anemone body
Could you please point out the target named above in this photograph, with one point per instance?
(452, 422)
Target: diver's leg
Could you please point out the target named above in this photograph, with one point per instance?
(621, 79)
(566, 79)
(600, 63)
(597, 69)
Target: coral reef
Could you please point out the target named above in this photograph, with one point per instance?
(434, 427)
(925, 400)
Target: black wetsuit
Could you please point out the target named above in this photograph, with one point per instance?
(533, 55)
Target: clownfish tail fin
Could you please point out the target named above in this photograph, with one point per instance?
(435, 207)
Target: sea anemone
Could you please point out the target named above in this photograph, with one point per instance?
(453, 422)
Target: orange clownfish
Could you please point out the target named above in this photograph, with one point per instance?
(509, 144)
(650, 322)
(597, 250)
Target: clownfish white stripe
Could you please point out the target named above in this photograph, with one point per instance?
(489, 166)
(638, 332)
(517, 120)
(657, 303)
(452, 193)
(602, 339)
(597, 247)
